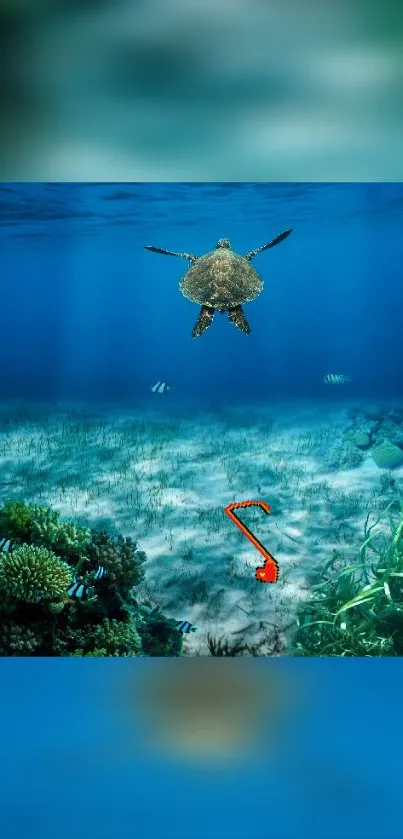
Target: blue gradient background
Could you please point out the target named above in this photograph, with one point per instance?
(72, 767)
(89, 313)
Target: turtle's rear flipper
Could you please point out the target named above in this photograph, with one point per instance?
(237, 316)
(276, 241)
(204, 320)
(190, 256)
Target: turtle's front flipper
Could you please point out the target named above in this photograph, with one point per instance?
(204, 320)
(190, 256)
(237, 317)
(271, 244)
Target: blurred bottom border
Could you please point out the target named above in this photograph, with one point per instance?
(201, 747)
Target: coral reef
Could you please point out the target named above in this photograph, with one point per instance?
(120, 558)
(66, 590)
(343, 456)
(111, 637)
(64, 536)
(20, 522)
(391, 430)
(381, 432)
(359, 437)
(362, 439)
(17, 640)
(387, 456)
(158, 635)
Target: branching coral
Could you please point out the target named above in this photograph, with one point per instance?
(120, 558)
(15, 521)
(117, 638)
(32, 574)
(111, 637)
(23, 523)
(16, 639)
(66, 537)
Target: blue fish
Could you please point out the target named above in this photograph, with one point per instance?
(99, 573)
(185, 627)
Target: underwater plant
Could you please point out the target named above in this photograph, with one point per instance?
(66, 590)
(357, 610)
(221, 647)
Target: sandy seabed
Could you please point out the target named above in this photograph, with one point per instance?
(163, 473)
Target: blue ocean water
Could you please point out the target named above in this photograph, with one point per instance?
(336, 773)
(88, 313)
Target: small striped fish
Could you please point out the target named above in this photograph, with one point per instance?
(79, 590)
(161, 387)
(336, 379)
(185, 627)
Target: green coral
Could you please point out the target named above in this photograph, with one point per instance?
(120, 558)
(159, 637)
(16, 639)
(111, 637)
(362, 439)
(66, 537)
(391, 431)
(15, 521)
(31, 574)
(23, 523)
(117, 638)
(387, 456)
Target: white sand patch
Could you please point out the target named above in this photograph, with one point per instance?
(179, 498)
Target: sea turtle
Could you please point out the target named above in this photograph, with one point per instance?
(221, 280)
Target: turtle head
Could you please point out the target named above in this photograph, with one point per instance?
(223, 243)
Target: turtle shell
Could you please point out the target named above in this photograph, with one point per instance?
(221, 279)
